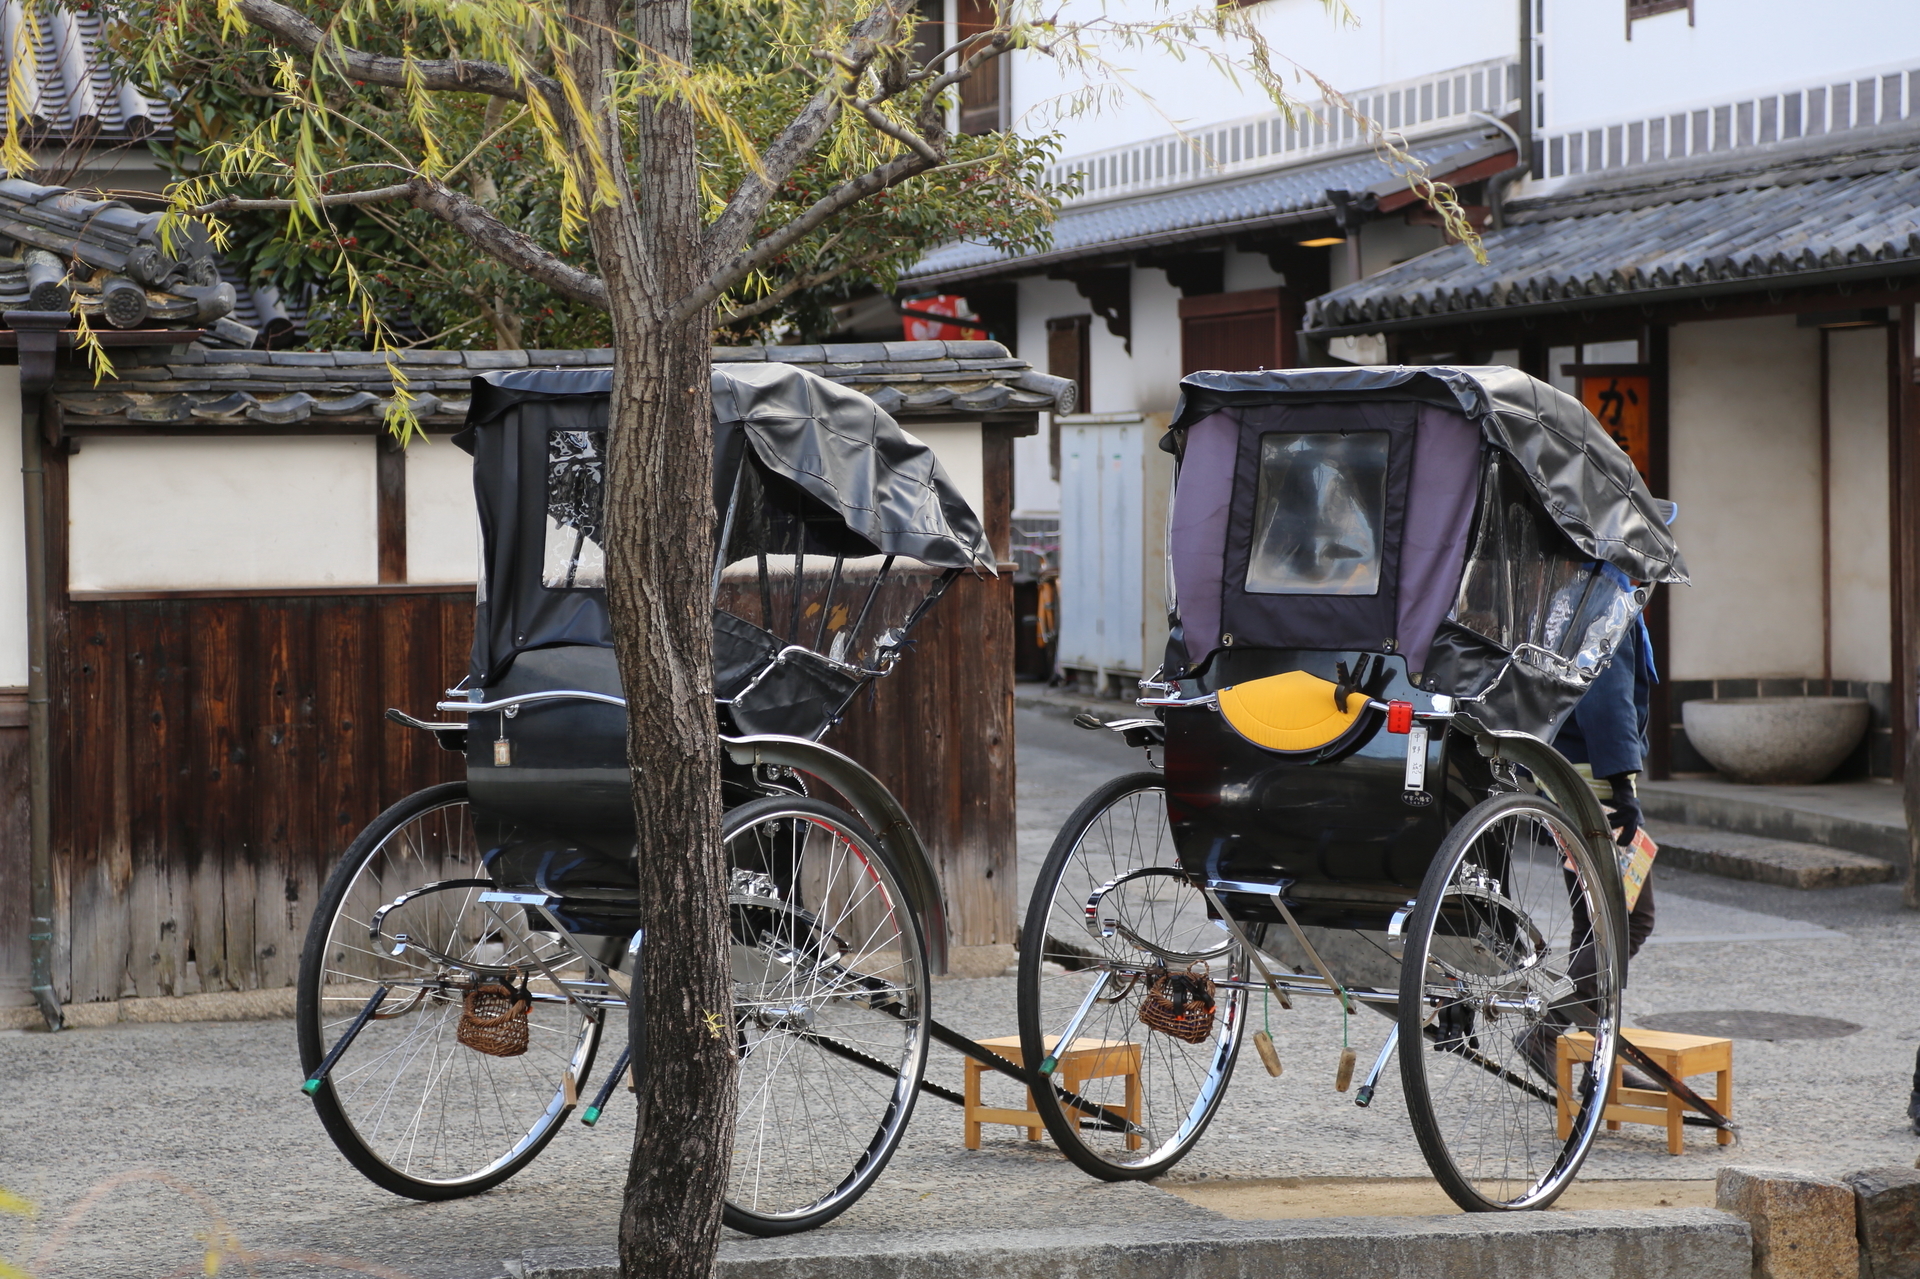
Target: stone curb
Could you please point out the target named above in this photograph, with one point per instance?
(1672, 1243)
(1732, 855)
(227, 1005)
(1770, 819)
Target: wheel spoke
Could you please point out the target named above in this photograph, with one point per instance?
(1117, 832)
(1510, 947)
(829, 978)
(410, 1106)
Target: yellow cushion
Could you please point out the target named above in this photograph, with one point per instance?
(1291, 712)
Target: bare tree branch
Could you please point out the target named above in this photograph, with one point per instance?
(779, 159)
(847, 194)
(899, 133)
(461, 75)
(235, 204)
(992, 46)
(504, 244)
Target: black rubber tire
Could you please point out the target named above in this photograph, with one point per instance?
(1174, 1122)
(792, 1025)
(578, 1034)
(1470, 1049)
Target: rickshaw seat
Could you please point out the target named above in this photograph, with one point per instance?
(1296, 711)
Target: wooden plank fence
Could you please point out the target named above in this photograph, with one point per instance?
(214, 756)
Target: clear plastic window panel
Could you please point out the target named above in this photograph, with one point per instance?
(576, 505)
(1529, 590)
(1319, 513)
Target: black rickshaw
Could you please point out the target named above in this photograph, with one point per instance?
(463, 986)
(1390, 588)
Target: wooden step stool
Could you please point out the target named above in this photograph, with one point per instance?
(1679, 1055)
(1087, 1059)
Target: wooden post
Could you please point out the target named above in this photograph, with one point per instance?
(1662, 714)
(391, 511)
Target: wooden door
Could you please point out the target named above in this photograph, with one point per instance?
(980, 93)
(1252, 329)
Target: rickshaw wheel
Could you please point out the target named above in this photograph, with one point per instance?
(414, 1110)
(1151, 924)
(830, 1012)
(1517, 938)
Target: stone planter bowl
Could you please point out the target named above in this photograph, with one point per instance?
(1776, 741)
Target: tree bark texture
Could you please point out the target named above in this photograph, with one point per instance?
(659, 554)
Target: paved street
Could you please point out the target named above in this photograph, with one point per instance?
(136, 1142)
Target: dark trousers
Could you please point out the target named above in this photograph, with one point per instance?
(1582, 963)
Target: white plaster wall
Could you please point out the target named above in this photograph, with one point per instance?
(1595, 74)
(1144, 92)
(1391, 241)
(443, 526)
(1858, 484)
(1110, 365)
(1745, 459)
(155, 513)
(1035, 490)
(13, 537)
(1156, 344)
(1250, 271)
(957, 445)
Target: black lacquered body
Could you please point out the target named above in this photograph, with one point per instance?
(553, 810)
(1337, 827)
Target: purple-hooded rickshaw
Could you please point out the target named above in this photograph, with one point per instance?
(1389, 588)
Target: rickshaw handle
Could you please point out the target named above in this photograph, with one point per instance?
(509, 703)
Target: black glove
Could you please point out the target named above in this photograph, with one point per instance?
(1627, 816)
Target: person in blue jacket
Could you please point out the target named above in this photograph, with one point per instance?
(1608, 732)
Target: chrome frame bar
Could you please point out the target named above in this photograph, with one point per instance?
(1364, 1097)
(513, 703)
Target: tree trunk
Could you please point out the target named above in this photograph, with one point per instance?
(659, 557)
(659, 560)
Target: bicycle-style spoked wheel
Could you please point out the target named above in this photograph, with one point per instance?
(1517, 938)
(407, 1103)
(830, 1008)
(1110, 913)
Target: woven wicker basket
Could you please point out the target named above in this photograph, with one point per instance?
(493, 1019)
(1180, 1005)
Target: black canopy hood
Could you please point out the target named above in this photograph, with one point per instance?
(825, 445)
(1582, 478)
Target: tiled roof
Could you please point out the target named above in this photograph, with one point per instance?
(1296, 194)
(1797, 215)
(194, 386)
(104, 259)
(909, 378)
(73, 95)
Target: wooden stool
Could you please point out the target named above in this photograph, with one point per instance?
(1679, 1055)
(1087, 1059)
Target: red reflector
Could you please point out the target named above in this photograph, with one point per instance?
(1399, 717)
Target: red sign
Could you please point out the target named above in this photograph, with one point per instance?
(919, 322)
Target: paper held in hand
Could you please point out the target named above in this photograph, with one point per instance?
(1636, 862)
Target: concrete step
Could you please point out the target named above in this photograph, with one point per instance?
(1733, 855)
(1667, 1243)
(1860, 817)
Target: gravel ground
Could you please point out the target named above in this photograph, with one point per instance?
(139, 1143)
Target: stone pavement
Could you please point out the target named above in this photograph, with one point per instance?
(138, 1140)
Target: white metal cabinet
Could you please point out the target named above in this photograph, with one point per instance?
(1102, 540)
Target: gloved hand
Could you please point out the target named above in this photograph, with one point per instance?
(1627, 816)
